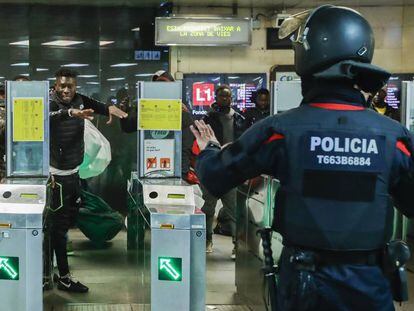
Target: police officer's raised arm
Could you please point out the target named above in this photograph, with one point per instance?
(256, 152)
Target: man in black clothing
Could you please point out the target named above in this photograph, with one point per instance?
(262, 109)
(227, 125)
(342, 168)
(68, 111)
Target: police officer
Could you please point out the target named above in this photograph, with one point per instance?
(341, 167)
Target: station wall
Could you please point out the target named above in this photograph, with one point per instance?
(393, 28)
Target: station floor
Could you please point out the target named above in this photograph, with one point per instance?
(113, 279)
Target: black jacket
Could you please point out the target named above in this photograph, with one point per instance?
(342, 168)
(213, 118)
(67, 133)
(254, 115)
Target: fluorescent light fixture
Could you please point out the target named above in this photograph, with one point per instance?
(87, 76)
(135, 29)
(75, 65)
(62, 43)
(115, 79)
(23, 42)
(2, 77)
(51, 78)
(233, 77)
(124, 65)
(103, 42)
(112, 90)
(144, 75)
(78, 87)
(20, 64)
(92, 82)
(42, 69)
(24, 74)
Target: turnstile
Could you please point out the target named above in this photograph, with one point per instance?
(22, 204)
(172, 251)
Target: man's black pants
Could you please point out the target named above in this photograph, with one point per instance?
(65, 206)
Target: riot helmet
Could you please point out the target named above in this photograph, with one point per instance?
(327, 35)
(333, 42)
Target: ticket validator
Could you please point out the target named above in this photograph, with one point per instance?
(23, 196)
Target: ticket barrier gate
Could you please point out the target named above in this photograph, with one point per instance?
(24, 197)
(22, 205)
(172, 253)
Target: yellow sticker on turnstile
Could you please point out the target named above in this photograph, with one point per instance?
(159, 114)
(28, 117)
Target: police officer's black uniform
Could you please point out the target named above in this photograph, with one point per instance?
(342, 168)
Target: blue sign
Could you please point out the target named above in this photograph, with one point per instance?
(147, 55)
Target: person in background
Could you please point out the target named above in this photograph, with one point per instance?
(227, 125)
(342, 168)
(261, 110)
(380, 105)
(68, 111)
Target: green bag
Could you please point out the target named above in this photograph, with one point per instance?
(97, 220)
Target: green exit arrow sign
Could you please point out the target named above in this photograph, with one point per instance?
(170, 269)
(9, 268)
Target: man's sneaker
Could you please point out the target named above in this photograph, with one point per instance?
(233, 253)
(69, 284)
(209, 247)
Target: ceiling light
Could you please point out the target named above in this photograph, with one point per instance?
(51, 78)
(24, 74)
(124, 65)
(115, 79)
(75, 65)
(78, 87)
(144, 75)
(24, 42)
(87, 76)
(135, 29)
(20, 64)
(103, 42)
(92, 82)
(42, 69)
(2, 77)
(113, 90)
(62, 43)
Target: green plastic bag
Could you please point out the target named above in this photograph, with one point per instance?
(97, 220)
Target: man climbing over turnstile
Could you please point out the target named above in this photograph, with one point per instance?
(67, 114)
(341, 167)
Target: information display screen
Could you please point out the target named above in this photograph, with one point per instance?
(199, 90)
(191, 31)
(244, 88)
(394, 86)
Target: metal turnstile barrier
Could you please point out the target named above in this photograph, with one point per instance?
(172, 252)
(22, 204)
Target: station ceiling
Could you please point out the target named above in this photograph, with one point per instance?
(217, 3)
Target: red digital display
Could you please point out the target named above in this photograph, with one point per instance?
(203, 94)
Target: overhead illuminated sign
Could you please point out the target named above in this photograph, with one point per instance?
(9, 268)
(190, 31)
(170, 269)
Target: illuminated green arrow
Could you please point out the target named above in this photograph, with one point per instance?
(7, 268)
(165, 264)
